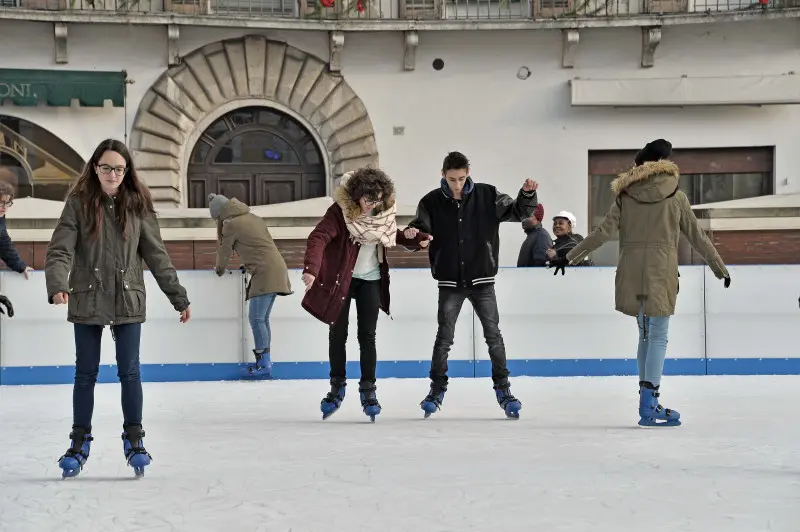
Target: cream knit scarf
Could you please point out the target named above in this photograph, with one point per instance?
(377, 228)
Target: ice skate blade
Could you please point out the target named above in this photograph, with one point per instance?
(326, 415)
(429, 408)
(254, 374)
(650, 422)
(69, 473)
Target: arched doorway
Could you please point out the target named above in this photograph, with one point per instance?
(242, 72)
(257, 155)
(35, 162)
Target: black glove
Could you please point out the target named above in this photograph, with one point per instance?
(559, 263)
(727, 282)
(4, 302)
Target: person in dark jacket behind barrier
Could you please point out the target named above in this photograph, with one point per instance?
(346, 259)
(94, 264)
(650, 213)
(533, 252)
(241, 231)
(464, 217)
(8, 253)
(566, 239)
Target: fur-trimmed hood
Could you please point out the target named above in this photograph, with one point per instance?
(350, 208)
(649, 183)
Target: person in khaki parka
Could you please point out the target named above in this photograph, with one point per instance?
(94, 264)
(242, 231)
(650, 213)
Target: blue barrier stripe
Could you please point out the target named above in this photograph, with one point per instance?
(581, 367)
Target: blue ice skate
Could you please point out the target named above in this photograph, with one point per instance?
(369, 402)
(331, 403)
(433, 401)
(133, 446)
(653, 414)
(262, 369)
(72, 461)
(510, 404)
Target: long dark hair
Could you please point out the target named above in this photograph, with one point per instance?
(132, 199)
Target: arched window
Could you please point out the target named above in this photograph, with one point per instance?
(257, 155)
(35, 162)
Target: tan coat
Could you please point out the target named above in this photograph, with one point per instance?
(650, 213)
(247, 234)
(104, 277)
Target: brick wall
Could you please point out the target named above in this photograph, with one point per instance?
(201, 255)
(758, 247)
(735, 247)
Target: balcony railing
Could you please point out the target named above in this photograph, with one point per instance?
(406, 9)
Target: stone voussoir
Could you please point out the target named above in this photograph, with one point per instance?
(248, 67)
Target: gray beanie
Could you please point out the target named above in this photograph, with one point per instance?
(215, 204)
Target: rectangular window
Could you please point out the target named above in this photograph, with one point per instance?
(707, 176)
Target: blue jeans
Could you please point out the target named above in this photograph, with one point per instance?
(87, 364)
(652, 346)
(260, 309)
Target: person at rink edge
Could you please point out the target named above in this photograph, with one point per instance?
(8, 253)
(537, 243)
(464, 217)
(650, 213)
(346, 260)
(93, 265)
(242, 231)
(563, 227)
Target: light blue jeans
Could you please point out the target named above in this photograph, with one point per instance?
(260, 309)
(652, 346)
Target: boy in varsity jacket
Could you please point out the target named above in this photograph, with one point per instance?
(464, 217)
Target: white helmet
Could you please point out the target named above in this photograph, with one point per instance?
(568, 215)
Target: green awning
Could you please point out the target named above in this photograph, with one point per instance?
(57, 88)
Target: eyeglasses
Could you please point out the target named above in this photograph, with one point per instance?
(372, 202)
(6, 204)
(106, 169)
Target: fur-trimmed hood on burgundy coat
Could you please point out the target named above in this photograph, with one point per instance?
(331, 256)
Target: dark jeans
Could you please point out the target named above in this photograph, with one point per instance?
(87, 364)
(484, 302)
(368, 296)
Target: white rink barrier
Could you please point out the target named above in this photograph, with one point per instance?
(552, 326)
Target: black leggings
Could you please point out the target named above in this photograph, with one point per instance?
(367, 295)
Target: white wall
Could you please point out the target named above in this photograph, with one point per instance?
(511, 129)
(564, 325)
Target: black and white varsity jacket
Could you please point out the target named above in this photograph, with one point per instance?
(465, 247)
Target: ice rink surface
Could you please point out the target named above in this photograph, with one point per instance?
(256, 456)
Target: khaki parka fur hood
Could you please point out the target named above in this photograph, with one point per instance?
(649, 214)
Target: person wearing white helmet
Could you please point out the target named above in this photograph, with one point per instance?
(563, 227)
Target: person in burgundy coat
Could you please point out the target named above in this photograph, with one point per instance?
(346, 260)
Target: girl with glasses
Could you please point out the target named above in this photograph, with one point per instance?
(93, 264)
(346, 260)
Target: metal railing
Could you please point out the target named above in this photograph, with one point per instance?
(406, 9)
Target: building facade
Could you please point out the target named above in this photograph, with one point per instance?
(271, 101)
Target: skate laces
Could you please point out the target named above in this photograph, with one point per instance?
(76, 449)
(505, 396)
(333, 397)
(435, 396)
(368, 398)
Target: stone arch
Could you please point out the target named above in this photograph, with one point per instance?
(251, 70)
